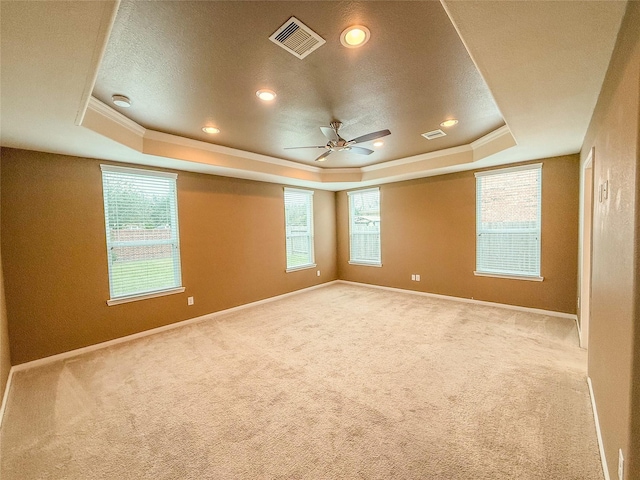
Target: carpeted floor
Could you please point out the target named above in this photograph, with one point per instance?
(342, 382)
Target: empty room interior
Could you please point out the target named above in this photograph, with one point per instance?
(320, 239)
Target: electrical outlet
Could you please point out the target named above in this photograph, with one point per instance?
(318, 273)
(413, 277)
(417, 278)
(620, 465)
(189, 300)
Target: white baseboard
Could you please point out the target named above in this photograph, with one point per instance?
(579, 333)
(5, 396)
(550, 313)
(603, 458)
(153, 331)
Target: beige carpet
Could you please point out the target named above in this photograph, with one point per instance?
(342, 382)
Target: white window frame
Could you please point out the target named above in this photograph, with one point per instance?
(364, 261)
(311, 237)
(175, 241)
(538, 229)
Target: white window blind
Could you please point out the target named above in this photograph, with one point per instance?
(141, 219)
(364, 226)
(508, 211)
(298, 213)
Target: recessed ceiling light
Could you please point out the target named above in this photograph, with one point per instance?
(355, 36)
(266, 95)
(449, 123)
(379, 143)
(121, 101)
(210, 130)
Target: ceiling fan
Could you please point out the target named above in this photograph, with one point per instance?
(338, 144)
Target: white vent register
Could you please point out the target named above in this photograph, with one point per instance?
(434, 134)
(296, 38)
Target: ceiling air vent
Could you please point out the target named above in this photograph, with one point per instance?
(434, 134)
(296, 38)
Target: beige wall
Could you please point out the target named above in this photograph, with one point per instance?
(55, 263)
(428, 228)
(5, 356)
(614, 342)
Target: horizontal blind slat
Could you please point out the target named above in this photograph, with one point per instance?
(298, 206)
(364, 226)
(142, 231)
(508, 206)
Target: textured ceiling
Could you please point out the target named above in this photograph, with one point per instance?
(186, 64)
(543, 61)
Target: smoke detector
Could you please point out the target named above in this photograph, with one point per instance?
(121, 101)
(296, 38)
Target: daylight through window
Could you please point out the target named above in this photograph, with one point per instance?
(364, 227)
(298, 213)
(142, 231)
(508, 210)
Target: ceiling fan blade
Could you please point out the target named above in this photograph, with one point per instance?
(330, 133)
(360, 150)
(315, 146)
(324, 155)
(370, 136)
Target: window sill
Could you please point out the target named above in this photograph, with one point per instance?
(365, 264)
(144, 296)
(530, 278)
(301, 267)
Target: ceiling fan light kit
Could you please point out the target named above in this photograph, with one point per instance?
(338, 144)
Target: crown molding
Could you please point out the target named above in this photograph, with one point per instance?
(417, 158)
(113, 115)
(217, 159)
(108, 18)
(234, 152)
(490, 137)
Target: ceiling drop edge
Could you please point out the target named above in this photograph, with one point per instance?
(218, 159)
(109, 14)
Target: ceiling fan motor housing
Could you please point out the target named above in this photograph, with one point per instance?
(338, 144)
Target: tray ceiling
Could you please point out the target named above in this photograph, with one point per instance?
(521, 77)
(190, 64)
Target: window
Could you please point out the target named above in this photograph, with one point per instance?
(298, 215)
(141, 219)
(364, 227)
(508, 203)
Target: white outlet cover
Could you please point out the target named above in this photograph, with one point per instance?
(318, 273)
(189, 300)
(417, 278)
(413, 277)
